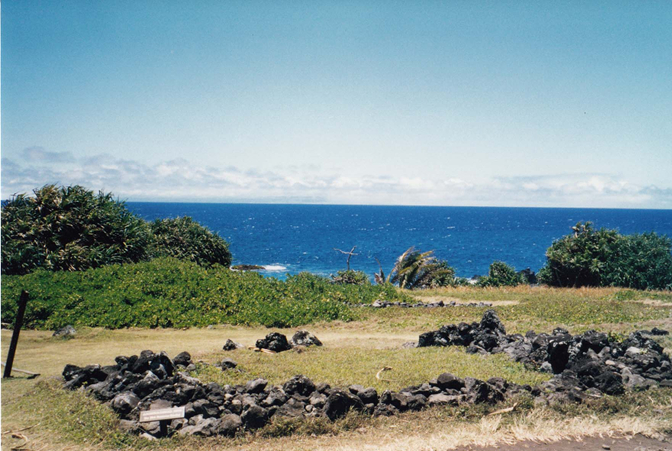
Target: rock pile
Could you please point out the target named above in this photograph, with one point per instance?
(383, 304)
(278, 342)
(588, 364)
(154, 381)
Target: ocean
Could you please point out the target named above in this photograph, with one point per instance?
(288, 239)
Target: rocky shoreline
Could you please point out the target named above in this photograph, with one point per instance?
(586, 365)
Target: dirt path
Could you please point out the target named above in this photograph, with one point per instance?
(637, 443)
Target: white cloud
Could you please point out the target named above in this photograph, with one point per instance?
(39, 154)
(182, 180)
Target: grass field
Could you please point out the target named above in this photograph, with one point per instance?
(353, 352)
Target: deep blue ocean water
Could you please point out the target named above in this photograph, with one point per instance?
(295, 238)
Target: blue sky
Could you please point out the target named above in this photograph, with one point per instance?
(503, 103)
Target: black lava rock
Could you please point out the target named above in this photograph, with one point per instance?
(275, 342)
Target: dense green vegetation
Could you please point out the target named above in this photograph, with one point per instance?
(167, 292)
(606, 258)
(73, 229)
(186, 239)
(350, 277)
(70, 229)
(501, 275)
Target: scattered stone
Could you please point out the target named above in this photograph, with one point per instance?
(65, 332)
(229, 425)
(147, 436)
(340, 403)
(123, 403)
(204, 427)
(255, 417)
(228, 364)
(299, 385)
(275, 342)
(378, 303)
(450, 382)
(441, 399)
(231, 345)
(656, 331)
(183, 359)
(367, 395)
(256, 385)
(305, 338)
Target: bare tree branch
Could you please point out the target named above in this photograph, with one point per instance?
(349, 254)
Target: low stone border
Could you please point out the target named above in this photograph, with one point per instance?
(152, 381)
(586, 365)
(590, 363)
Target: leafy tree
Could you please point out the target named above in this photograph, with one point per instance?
(605, 258)
(186, 239)
(71, 229)
(579, 259)
(644, 262)
(416, 269)
(501, 275)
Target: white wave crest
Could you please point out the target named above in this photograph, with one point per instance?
(274, 268)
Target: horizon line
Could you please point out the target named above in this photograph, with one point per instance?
(382, 205)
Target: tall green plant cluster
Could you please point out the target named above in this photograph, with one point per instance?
(73, 229)
(186, 239)
(69, 229)
(166, 292)
(604, 257)
(501, 275)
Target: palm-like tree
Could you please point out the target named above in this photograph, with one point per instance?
(416, 269)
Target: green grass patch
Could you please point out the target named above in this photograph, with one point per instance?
(541, 309)
(77, 418)
(346, 366)
(172, 293)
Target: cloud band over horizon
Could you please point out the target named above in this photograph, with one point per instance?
(181, 180)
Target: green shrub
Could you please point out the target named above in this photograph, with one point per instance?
(437, 274)
(501, 275)
(186, 239)
(350, 277)
(71, 229)
(166, 292)
(644, 262)
(605, 258)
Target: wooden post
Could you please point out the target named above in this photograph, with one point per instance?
(23, 301)
(163, 424)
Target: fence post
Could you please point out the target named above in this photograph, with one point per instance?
(23, 300)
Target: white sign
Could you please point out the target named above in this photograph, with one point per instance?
(172, 413)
